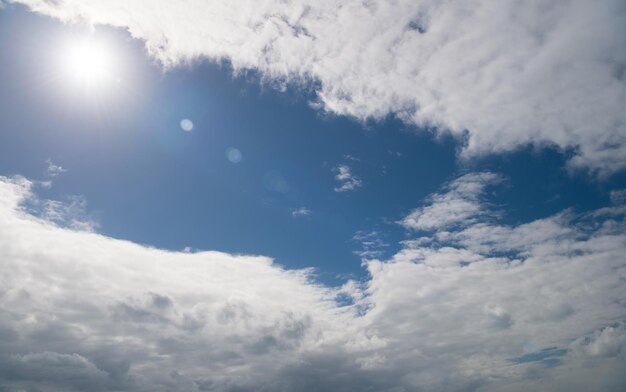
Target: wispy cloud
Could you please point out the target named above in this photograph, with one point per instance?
(372, 244)
(71, 213)
(498, 74)
(345, 179)
(352, 158)
(460, 204)
(618, 196)
(301, 211)
(54, 170)
(537, 305)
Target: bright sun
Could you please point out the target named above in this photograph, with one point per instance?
(88, 62)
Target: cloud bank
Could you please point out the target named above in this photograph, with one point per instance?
(475, 307)
(498, 75)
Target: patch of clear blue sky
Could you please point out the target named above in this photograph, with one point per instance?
(150, 182)
(548, 356)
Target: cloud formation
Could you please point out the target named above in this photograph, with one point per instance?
(300, 211)
(460, 204)
(79, 309)
(476, 307)
(53, 170)
(346, 180)
(498, 74)
(371, 244)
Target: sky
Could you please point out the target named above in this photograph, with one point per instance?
(305, 196)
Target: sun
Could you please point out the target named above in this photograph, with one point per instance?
(88, 63)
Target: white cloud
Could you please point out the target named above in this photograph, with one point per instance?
(71, 213)
(301, 211)
(541, 305)
(503, 74)
(148, 319)
(54, 170)
(347, 181)
(460, 204)
(372, 244)
(484, 300)
(609, 342)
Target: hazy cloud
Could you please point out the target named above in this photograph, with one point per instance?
(70, 213)
(371, 242)
(54, 170)
(301, 211)
(618, 196)
(352, 158)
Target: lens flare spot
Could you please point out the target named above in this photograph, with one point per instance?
(186, 125)
(234, 155)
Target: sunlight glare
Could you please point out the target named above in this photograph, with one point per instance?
(88, 62)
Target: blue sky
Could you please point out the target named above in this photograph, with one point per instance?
(151, 182)
(386, 177)
(148, 181)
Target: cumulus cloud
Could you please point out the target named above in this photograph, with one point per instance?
(81, 311)
(347, 181)
(80, 303)
(500, 74)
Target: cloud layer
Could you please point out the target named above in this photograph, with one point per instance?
(471, 307)
(500, 74)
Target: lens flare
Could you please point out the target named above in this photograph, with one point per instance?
(233, 155)
(186, 125)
